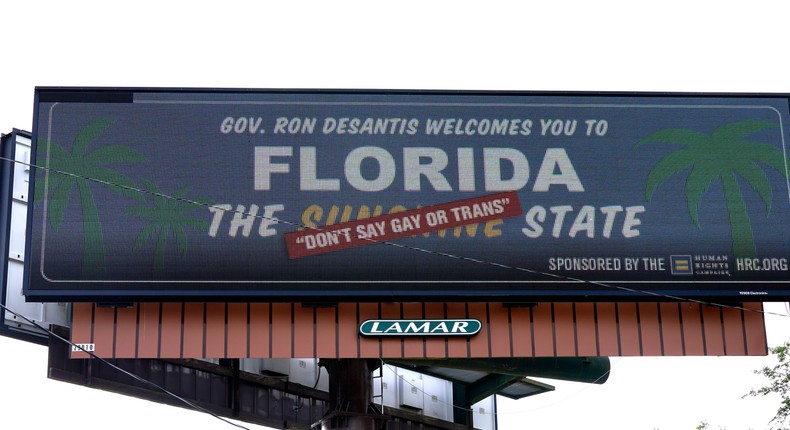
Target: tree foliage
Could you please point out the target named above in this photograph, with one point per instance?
(779, 383)
(727, 155)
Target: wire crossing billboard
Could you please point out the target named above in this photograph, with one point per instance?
(172, 194)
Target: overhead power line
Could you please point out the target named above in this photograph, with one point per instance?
(389, 243)
(403, 246)
(125, 372)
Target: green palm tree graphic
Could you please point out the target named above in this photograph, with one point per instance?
(166, 216)
(76, 169)
(727, 154)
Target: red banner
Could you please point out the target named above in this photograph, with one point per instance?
(306, 242)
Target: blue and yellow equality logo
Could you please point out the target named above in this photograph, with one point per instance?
(681, 265)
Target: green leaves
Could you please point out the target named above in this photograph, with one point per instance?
(779, 384)
(675, 136)
(166, 216)
(724, 154)
(88, 134)
(668, 166)
(758, 181)
(697, 183)
(82, 169)
(738, 130)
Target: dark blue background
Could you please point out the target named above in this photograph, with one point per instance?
(179, 135)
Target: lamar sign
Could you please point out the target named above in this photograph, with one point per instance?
(462, 327)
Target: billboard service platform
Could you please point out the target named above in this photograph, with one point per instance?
(173, 194)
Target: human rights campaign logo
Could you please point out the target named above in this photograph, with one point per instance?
(681, 264)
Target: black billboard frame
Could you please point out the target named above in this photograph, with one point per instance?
(327, 292)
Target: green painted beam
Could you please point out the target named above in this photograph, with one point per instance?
(593, 370)
(488, 386)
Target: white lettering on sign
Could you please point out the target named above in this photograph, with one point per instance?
(83, 347)
(418, 163)
(465, 327)
(243, 220)
(584, 221)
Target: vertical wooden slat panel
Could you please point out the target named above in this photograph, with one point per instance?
(457, 346)
(391, 346)
(564, 335)
(193, 330)
(326, 332)
(171, 339)
(733, 332)
(608, 337)
(671, 330)
(347, 330)
(126, 332)
(499, 330)
(714, 330)
(586, 339)
(104, 331)
(479, 344)
(304, 342)
(237, 330)
(282, 335)
(521, 331)
(215, 330)
(692, 329)
(754, 323)
(649, 329)
(369, 347)
(260, 337)
(81, 326)
(413, 346)
(544, 330)
(148, 330)
(664, 329)
(435, 347)
(629, 329)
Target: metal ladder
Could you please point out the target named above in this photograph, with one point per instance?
(380, 376)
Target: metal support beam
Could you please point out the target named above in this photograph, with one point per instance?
(488, 386)
(593, 370)
(462, 408)
(234, 364)
(350, 396)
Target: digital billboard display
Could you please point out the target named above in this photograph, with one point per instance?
(176, 194)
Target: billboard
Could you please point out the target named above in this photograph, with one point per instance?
(19, 318)
(173, 194)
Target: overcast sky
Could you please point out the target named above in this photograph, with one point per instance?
(702, 46)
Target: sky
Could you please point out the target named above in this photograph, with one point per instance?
(700, 46)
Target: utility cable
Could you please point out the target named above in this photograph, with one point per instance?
(390, 243)
(393, 369)
(403, 246)
(132, 375)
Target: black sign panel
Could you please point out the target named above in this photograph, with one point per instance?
(160, 194)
